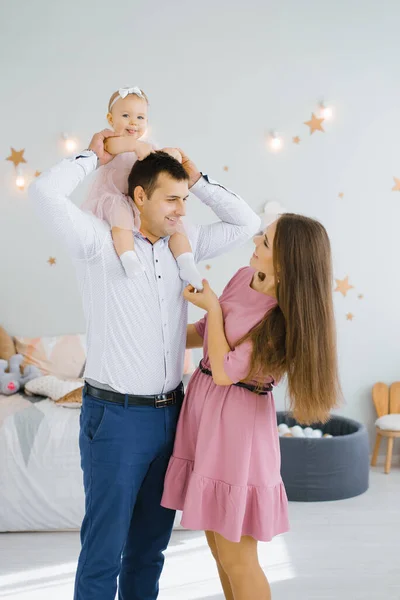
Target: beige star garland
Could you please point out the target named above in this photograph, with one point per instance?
(52, 261)
(343, 285)
(349, 316)
(315, 124)
(396, 188)
(16, 157)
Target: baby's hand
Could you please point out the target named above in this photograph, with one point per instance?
(143, 149)
(174, 153)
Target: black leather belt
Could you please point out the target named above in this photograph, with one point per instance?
(247, 386)
(158, 400)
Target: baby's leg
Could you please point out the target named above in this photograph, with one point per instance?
(125, 247)
(182, 251)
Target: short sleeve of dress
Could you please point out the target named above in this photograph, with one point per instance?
(201, 326)
(237, 362)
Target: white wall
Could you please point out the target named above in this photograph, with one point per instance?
(219, 75)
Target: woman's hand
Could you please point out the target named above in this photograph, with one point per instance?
(206, 299)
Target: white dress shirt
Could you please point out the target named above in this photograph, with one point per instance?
(136, 329)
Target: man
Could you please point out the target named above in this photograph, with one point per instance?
(136, 332)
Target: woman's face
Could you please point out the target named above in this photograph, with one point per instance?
(262, 259)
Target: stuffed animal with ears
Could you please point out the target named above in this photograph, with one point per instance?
(14, 380)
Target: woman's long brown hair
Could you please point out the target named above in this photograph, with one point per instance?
(297, 337)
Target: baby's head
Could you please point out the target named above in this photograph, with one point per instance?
(127, 112)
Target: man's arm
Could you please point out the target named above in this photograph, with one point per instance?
(238, 222)
(193, 338)
(82, 233)
(50, 195)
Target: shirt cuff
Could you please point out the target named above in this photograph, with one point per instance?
(205, 188)
(87, 159)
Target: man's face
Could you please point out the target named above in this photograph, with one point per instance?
(160, 214)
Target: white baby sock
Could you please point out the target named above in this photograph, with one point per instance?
(131, 264)
(188, 270)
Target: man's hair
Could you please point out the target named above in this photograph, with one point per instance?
(145, 172)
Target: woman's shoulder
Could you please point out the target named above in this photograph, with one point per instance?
(241, 275)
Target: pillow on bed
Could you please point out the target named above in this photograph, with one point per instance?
(63, 355)
(71, 400)
(52, 387)
(7, 347)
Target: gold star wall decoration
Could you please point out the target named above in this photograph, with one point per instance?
(226, 168)
(52, 261)
(343, 285)
(349, 316)
(360, 296)
(296, 140)
(208, 267)
(16, 157)
(341, 195)
(37, 173)
(396, 187)
(315, 124)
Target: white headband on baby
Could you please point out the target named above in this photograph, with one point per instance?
(123, 93)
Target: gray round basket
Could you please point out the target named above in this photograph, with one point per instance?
(320, 469)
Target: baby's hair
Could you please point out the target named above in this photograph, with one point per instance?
(116, 94)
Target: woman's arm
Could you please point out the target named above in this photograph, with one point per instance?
(218, 347)
(193, 338)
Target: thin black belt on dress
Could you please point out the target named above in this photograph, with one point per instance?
(158, 400)
(247, 386)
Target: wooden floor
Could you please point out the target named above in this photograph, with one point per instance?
(347, 550)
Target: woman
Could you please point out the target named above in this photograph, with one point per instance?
(274, 318)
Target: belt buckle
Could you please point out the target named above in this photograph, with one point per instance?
(164, 400)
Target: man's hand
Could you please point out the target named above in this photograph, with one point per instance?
(143, 149)
(174, 153)
(190, 168)
(97, 146)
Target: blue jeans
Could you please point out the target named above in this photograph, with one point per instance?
(124, 457)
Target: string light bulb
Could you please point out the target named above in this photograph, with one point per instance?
(326, 112)
(275, 142)
(70, 144)
(20, 180)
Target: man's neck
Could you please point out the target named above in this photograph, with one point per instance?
(149, 236)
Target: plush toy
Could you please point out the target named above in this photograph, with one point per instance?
(14, 380)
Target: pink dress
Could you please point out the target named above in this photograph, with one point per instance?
(224, 473)
(108, 198)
